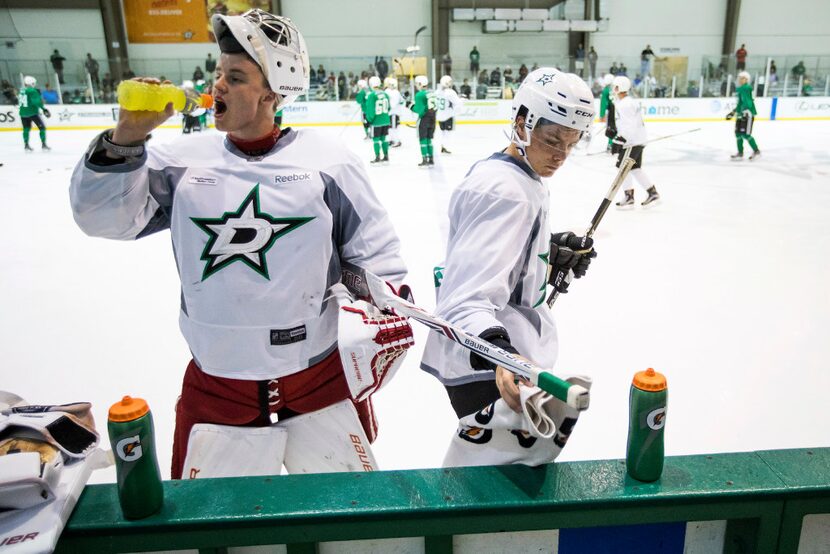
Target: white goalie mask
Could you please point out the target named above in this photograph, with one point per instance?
(557, 97)
(274, 43)
(374, 81)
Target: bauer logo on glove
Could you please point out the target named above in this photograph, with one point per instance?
(372, 344)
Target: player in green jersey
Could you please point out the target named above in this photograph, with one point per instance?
(606, 108)
(424, 107)
(31, 104)
(360, 98)
(376, 108)
(746, 112)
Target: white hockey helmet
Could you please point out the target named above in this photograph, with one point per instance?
(187, 84)
(273, 42)
(29, 81)
(421, 81)
(446, 81)
(362, 84)
(557, 97)
(374, 81)
(607, 79)
(745, 75)
(391, 82)
(621, 84)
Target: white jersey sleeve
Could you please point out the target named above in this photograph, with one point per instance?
(449, 104)
(629, 121)
(396, 103)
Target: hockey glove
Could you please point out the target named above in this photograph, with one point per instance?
(47, 113)
(610, 131)
(569, 252)
(730, 115)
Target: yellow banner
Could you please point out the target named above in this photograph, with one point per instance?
(152, 21)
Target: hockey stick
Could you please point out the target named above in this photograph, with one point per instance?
(575, 396)
(656, 139)
(625, 167)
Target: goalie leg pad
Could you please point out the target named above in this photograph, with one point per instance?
(229, 451)
(327, 441)
(496, 435)
(372, 344)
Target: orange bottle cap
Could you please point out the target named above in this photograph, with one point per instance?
(649, 380)
(206, 101)
(128, 409)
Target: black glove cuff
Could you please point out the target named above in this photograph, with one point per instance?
(497, 336)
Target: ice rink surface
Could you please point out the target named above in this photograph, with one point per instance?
(724, 287)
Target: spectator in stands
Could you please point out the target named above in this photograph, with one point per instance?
(522, 74)
(508, 74)
(799, 69)
(210, 68)
(475, 56)
(466, 91)
(535, 67)
(9, 92)
(579, 59)
(645, 60)
(773, 72)
(91, 65)
(49, 95)
(129, 73)
(57, 64)
(484, 77)
(342, 86)
(446, 64)
(495, 77)
(740, 56)
(107, 82)
(623, 70)
(321, 74)
(382, 67)
(198, 74)
(592, 62)
(481, 90)
(614, 69)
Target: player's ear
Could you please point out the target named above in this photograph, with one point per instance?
(519, 127)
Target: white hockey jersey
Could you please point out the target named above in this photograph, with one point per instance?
(396, 103)
(629, 121)
(447, 103)
(495, 270)
(257, 240)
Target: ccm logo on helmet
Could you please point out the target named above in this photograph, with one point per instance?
(583, 114)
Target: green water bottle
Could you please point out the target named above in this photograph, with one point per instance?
(647, 420)
(132, 437)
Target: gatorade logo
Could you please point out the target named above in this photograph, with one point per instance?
(129, 448)
(656, 419)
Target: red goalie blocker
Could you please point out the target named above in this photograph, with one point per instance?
(372, 344)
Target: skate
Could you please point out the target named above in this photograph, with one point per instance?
(430, 160)
(385, 159)
(653, 197)
(27, 148)
(737, 157)
(628, 201)
(445, 151)
(44, 147)
(395, 144)
(754, 155)
(376, 160)
(424, 162)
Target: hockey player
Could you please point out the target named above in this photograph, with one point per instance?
(31, 104)
(424, 107)
(747, 112)
(262, 222)
(631, 132)
(192, 122)
(500, 258)
(377, 114)
(447, 103)
(396, 107)
(360, 98)
(606, 108)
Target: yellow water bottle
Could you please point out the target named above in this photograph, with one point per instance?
(150, 97)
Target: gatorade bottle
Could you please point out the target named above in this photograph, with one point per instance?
(647, 418)
(140, 96)
(131, 434)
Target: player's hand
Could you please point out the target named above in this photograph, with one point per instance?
(569, 252)
(47, 113)
(730, 115)
(610, 131)
(508, 384)
(134, 126)
(619, 140)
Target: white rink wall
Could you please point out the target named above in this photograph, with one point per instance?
(323, 114)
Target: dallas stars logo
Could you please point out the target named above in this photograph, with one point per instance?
(545, 79)
(245, 235)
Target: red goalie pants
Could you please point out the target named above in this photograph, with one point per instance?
(221, 401)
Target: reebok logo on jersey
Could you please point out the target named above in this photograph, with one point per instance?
(292, 177)
(244, 236)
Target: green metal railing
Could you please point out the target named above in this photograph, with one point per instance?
(762, 495)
